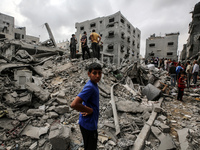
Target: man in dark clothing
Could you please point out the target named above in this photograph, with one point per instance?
(73, 43)
(172, 73)
(84, 45)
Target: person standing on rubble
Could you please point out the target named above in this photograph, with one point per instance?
(189, 73)
(95, 38)
(73, 42)
(195, 71)
(87, 102)
(181, 86)
(84, 45)
(172, 73)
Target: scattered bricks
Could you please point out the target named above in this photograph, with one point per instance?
(62, 109)
(164, 128)
(162, 118)
(59, 137)
(35, 112)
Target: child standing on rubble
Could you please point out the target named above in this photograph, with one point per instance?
(181, 86)
(87, 102)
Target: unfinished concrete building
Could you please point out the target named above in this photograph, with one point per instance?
(8, 31)
(193, 42)
(162, 46)
(121, 40)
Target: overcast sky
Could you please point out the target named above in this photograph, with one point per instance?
(150, 16)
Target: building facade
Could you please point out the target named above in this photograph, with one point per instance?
(193, 42)
(121, 40)
(162, 46)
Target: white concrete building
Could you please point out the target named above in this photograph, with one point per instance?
(162, 46)
(121, 40)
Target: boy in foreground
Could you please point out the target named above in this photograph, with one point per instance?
(87, 102)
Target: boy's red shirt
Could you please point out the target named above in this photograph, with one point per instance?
(181, 83)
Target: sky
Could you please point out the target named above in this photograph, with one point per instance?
(149, 16)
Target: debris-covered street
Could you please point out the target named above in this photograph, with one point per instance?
(36, 113)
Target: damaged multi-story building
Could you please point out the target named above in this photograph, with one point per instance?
(9, 31)
(191, 50)
(162, 46)
(121, 40)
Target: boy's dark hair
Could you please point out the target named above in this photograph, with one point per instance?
(94, 66)
(84, 32)
(93, 30)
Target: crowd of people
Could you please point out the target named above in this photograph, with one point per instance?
(95, 45)
(181, 73)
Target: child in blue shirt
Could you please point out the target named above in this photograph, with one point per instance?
(87, 102)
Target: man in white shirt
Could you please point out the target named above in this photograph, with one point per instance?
(195, 71)
(189, 73)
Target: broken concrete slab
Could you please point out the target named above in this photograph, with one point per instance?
(35, 112)
(151, 92)
(182, 136)
(62, 109)
(129, 106)
(59, 137)
(166, 141)
(23, 117)
(35, 132)
(38, 91)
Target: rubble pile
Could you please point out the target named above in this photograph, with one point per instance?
(36, 93)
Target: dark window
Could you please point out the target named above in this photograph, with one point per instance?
(133, 31)
(111, 34)
(138, 46)
(170, 53)
(111, 19)
(93, 25)
(110, 47)
(128, 39)
(122, 48)
(111, 25)
(82, 28)
(122, 20)
(17, 36)
(170, 43)
(100, 21)
(22, 36)
(152, 45)
(122, 36)
(138, 35)
(128, 26)
(133, 43)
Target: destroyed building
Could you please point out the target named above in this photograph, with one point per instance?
(192, 49)
(121, 40)
(162, 46)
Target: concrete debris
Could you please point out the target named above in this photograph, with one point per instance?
(151, 92)
(39, 81)
(59, 137)
(35, 132)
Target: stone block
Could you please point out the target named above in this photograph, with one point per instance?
(62, 109)
(151, 92)
(59, 137)
(35, 112)
(129, 106)
(165, 128)
(22, 77)
(162, 118)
